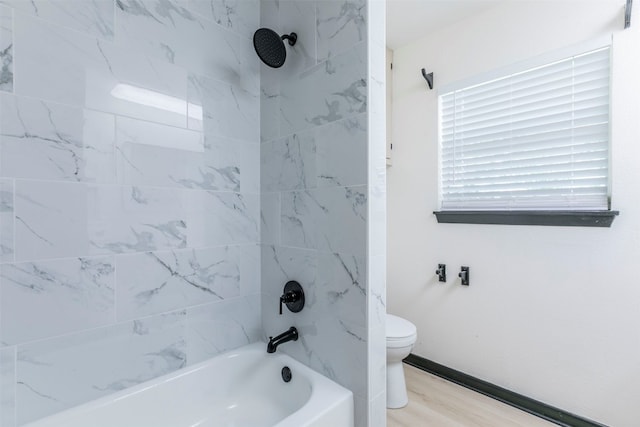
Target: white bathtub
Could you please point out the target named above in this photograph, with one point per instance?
(241, 388)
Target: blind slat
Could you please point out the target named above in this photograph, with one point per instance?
(551, 138)
(550, 99)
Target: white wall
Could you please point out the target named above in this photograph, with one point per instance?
(552, 312)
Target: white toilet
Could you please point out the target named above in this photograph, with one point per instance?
(401, 336)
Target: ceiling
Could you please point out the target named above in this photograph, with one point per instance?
(408, 20)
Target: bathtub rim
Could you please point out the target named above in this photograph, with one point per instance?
(325, 396)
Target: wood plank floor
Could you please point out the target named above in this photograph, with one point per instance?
(436, 402)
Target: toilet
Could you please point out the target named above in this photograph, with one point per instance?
(401, 336)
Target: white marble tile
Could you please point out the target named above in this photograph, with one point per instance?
(320, 311)
(341, 152)
(330, 91)
(157, 155)
(222, 326)
(334, 348)
(299, 214)
(280, 265)
(7, 220)
(342, 288)
(361, 407)
(68, 295)
(249, 160)
(137, 132)
(94, 17)
(377, 180)
(250, 272)
(377, 411)
(42, 140)
(377, 53)
(270, 218)
(8, 386)
(239, 16)
(136, 86)
(51, 220)
(376, 217)
(288, 163)
(170, 31)
(377, 291)
(298, 17)
(269, 13)
(136, 219)
(340, 25)
(63, 220)
(218, 219)
(60, 373)
(86, 72)
(377, 354)
(376, 277)
(166, 156)
(156, 282)
(376, 23)
(269, 103)
(6, 50)
(377, 193)
(224, 110)
(329, 219)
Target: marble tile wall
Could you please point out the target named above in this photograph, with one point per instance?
(129, 194)
(315, 201)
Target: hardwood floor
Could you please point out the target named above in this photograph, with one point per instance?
(436, 402)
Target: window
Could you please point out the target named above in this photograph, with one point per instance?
(533, 141)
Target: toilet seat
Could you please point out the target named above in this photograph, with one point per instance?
(400, 332)
(401, 342)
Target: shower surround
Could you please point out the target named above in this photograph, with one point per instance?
(129, 221)
(139, 235)
(323, 192)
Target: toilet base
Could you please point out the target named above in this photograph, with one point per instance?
(396, 386)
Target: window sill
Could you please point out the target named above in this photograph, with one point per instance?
(553, 218)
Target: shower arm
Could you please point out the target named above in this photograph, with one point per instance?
(291, 38)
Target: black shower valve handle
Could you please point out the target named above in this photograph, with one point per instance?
(292, 296)
(282, 301)
(288, 297)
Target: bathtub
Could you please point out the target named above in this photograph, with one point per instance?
(241, 388)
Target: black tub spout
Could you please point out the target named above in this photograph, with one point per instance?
(289, 335)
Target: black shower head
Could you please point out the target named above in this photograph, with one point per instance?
(270, 46)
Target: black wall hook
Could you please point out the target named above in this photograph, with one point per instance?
(428, 78)
(627, 14)
(464, 276)
(441, 272)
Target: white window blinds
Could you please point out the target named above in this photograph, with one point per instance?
(533, 140)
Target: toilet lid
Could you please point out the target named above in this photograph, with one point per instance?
(397, 327)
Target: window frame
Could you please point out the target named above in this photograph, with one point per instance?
(583, 218)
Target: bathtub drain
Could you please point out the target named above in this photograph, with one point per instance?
(286, 374)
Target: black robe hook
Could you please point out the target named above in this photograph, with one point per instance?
(627, 14)
(428, 78)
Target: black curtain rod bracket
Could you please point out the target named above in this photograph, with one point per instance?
(428, 78)
(627, 14)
